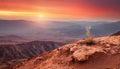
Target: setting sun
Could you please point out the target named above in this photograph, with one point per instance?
(42, 15)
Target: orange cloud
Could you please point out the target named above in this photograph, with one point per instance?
(61, 8)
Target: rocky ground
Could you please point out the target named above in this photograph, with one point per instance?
(104, 53)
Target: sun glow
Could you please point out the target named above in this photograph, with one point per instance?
(25, 14)
(10, 13)
(41, 15)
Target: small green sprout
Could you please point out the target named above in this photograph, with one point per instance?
(88, 40)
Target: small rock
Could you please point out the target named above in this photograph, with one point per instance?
(108, 45)
(73, 49)
(113, 51)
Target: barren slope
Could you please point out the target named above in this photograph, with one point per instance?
(103, 54)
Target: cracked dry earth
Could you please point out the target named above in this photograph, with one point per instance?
(103, 54)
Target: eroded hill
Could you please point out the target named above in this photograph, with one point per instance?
(15, 53)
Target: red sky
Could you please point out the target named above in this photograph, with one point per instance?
(60, 9)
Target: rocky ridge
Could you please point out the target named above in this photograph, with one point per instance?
(103, 54)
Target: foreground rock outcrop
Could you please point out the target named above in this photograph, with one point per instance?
(115, 34)
(103, 54)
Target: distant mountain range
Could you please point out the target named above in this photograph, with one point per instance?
(57, 30)
(11, 37)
